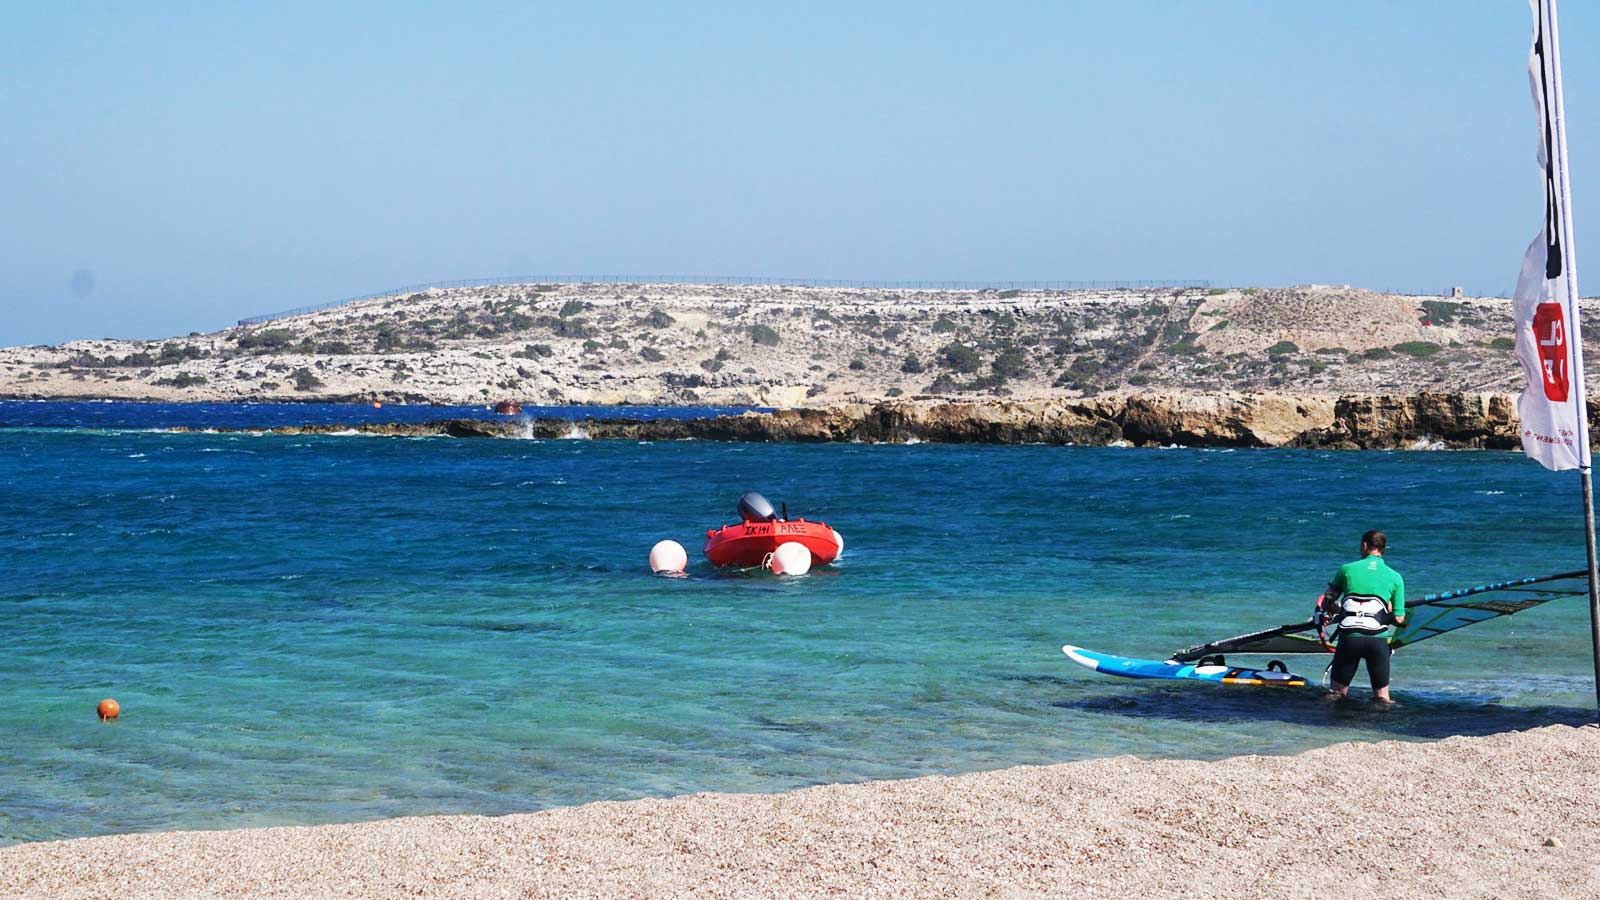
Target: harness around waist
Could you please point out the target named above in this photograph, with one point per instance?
(1364, 613)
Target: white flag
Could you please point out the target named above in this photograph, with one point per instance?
(1549, 342)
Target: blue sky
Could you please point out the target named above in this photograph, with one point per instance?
(200, 164)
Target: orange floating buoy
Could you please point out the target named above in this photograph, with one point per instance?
(108, 709)
(377, 404)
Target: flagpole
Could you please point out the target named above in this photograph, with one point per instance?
(1575, 327)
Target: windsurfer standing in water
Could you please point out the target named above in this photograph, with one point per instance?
(1365, 597)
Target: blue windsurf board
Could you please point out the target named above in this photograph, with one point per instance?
(1168, 669)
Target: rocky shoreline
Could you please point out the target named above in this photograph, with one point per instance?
(1424, 420)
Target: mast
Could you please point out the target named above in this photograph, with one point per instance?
(1548, 24)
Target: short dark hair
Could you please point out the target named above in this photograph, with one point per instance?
(1375, 540)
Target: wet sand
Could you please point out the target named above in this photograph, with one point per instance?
(1509, 815)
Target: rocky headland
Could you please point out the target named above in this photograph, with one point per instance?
(1310, 366)
(1424, 420)
(662, 344)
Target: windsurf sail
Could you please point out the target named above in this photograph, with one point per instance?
(1431, 616)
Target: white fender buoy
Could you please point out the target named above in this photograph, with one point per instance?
(668, 557)
(838, 539)
(790, 558)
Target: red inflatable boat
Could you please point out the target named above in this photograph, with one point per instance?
(747, 543)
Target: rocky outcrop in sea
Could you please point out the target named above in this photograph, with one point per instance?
(1425, 420)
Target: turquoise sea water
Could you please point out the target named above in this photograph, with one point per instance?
(320, 629)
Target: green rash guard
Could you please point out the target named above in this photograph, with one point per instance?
(1370, 577)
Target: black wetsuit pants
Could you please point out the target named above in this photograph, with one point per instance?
(1356, 648)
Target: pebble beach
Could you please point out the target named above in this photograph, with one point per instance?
(1508, 815)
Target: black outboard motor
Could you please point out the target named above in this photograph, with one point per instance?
(755, 508)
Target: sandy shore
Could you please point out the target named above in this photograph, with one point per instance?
(1511, 815)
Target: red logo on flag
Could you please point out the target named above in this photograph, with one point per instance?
(1550, 332)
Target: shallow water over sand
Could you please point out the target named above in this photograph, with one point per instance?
(318, 629)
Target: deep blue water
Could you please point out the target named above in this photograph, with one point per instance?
(318, 629)
(129, 415)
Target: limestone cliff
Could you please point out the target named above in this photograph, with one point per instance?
(1409, 421)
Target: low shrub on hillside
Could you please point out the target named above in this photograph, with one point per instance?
(715, 363)
(1009, 364)
(267, 339)
(959, 357)
(305, 380)
(1283, 348)
(182, 380)
(567, 328)
(764, 335)
(1440, 312)
(991, 383)
(176, 353)
(1185, 347)
(1418, 349)
(1084, 366)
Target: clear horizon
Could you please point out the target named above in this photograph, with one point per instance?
(176, 172)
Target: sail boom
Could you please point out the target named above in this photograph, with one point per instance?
(1431, 616)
